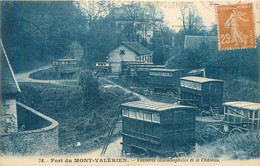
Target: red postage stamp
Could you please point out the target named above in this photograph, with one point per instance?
(236, 29)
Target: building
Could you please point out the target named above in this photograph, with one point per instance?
(158, 128)
(9, 89)
(197, 42)
(145, 21)
(23, 130)
(128, 51)
(65, 68)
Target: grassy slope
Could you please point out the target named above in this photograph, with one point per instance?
(64, 104)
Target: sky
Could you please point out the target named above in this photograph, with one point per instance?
(206, 11)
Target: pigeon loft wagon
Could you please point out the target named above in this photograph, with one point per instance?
(164, 80)
(241, 116)
(205, 93)
(157, 128)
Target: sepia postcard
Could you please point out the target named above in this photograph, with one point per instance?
(129, 82)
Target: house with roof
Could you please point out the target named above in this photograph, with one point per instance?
(128, 51)
(22, 129)
(197, 42)
(145, 22)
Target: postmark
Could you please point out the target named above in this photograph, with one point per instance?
(236, 29)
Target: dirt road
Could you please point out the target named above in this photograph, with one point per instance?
(114, 148)
(24, 77)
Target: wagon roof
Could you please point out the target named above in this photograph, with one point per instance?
(65, 60)
(155, 106)
(170, 70)
(244, 105)
(200, 79)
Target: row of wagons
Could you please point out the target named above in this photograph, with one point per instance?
(165, 129)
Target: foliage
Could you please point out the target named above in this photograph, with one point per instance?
(238, 146)
(221, 64)
(161, 43)
(191, 20)
(90, 89)
(64, 104)
(36, 32)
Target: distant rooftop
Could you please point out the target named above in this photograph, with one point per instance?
(155, 106)
(9, 83)
(136, 47)
(199, 79)
(195, 42)
(244, 105)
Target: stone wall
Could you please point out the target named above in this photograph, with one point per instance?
(37, 136)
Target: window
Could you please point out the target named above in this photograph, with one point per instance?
(140, 115)
(190, 85)
(147, 117)
(132, 114)
(125, 113)
(7, 106)
(156, 118)
(182, 83)
(198, 86)
(122, 52)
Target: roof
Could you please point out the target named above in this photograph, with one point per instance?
(155, 106)
(244, 104)
(137, 48)
(9, 83)
(195, 42)
(200, 79)
(65, 60)
(196, 71)
(161, 69)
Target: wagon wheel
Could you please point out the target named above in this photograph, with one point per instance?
(234, 131)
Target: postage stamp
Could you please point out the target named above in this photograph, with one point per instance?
(236, 29)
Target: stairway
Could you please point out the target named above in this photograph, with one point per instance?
(215, 112)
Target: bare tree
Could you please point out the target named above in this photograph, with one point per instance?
(191, 21)
(132, 11)
(93, 9)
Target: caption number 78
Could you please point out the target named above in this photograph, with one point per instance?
(41, 161)
(225, 39)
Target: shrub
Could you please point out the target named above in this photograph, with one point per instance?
(90, 89)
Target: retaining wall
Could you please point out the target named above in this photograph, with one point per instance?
(38, 134)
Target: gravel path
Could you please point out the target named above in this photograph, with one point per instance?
(24, 77)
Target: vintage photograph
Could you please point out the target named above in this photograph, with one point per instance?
(115, 81)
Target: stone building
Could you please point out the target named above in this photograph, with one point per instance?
(145, 21)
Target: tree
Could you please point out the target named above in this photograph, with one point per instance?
(191, 21)
(90, 89)
(92, 9)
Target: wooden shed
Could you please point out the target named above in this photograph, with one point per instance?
(160, 128)
(164, 79)
(201, 92)
(241, 114)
